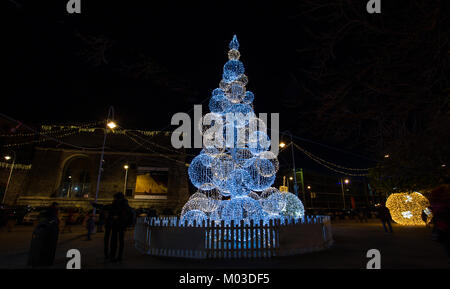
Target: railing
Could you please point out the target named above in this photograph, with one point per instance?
(282, 237)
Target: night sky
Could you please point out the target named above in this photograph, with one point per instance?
(158, 60)
(152, 60)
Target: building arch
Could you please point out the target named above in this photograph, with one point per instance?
(76, 178)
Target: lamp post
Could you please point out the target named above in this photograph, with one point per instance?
(282, 145)
(310, 195)
(346, 181)
(109, 124)
(10, 174)
(126, 177)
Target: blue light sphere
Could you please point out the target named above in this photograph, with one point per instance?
(198, 172)
(232, 70)
(217, 92)
(274, 203)
(257, 181)
(248, 98)
(219, 104)
(234, 43)
(237, 183)
(259, 142)
(194, 215)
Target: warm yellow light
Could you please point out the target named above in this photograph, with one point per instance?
(406, 209)
(346, 181)
(291, 178)
(111, 124)
(386, 156)
(125, 167)
(282, 144)
(309, 187)
(7, 158)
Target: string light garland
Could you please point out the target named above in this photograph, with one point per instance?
(16, 166)
(325, 164)
(50, 129)
(407, 208)
(43, 139)
(153, 151)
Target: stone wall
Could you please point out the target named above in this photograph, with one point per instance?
(85, 203)
(17, 183)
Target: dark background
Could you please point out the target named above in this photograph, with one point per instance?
(348, 84)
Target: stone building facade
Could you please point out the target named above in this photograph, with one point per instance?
(66, 171)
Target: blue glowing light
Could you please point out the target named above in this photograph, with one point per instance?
(234, 180)
(232, 70)
(234, 44)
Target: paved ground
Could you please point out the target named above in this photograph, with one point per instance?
(407, 248)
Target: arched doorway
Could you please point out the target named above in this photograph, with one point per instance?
(76, 178)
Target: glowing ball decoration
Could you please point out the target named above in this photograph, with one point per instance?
(242, 157)
(237, 183)
(192, 216)
(249, 97)
(257, 181)
(406, 209)
(294, 207)
(272, 201)
(259, 142)
(199, 173)
(232, 70)
(242, 208)
(222, 166)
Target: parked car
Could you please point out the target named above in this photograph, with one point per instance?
(31, 217)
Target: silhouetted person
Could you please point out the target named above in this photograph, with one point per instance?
(363, 215)
(385, 216)
(115, 225)
(45, 238)
(440, 203)
(90, 225)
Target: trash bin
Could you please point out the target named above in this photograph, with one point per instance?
(43, 244)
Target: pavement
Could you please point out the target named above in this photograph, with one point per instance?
(409, 247)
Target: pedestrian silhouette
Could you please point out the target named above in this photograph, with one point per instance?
(117, 219)
(440, 203)
(385, 217)
(45, 238)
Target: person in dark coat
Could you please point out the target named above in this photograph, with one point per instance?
(117, 216)
(45, 238)
(440, 204)
(385, 216)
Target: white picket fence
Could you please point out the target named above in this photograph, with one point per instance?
(169, 237)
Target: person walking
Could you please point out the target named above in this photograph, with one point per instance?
(385, 217)
(118, 216)
(69, 221)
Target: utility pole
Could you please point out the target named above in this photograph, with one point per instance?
(343, 194)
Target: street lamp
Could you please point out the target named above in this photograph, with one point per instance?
(110, 124)
(346, 181)
(126, 177)
(8, 157)
(282, 145)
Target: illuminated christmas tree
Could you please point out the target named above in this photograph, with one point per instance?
(235, 170)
